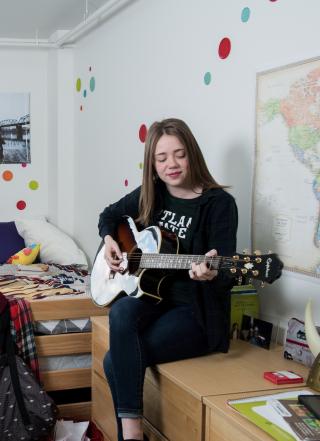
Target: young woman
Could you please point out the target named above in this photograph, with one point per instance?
(179, 195)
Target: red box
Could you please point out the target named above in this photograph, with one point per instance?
(283, 377)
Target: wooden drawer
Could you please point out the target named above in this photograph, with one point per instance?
(172, 410)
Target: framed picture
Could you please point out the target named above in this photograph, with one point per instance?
(15, 128)
(255, 331)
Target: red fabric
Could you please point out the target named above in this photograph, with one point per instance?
(22, 330)
(94, 433)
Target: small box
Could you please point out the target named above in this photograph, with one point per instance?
(283, 377)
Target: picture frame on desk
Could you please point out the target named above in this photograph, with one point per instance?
(256, 331)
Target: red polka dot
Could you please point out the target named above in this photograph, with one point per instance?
(143, 133)
(23, 164)
(81, 108)
(273, 0)
(126, 182)
(224, 48)
(21, 205)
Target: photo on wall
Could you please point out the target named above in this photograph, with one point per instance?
(15, 128)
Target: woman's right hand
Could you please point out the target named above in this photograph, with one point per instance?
(112, 254)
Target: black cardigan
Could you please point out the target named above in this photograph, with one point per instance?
(215, 226)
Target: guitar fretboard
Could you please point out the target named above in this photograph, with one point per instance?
(182, 261)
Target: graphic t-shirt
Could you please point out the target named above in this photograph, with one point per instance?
(177, 218)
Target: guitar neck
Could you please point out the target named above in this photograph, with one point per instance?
(182, 261)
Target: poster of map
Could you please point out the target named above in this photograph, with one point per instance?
(286, 190)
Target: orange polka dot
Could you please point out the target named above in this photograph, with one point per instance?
(7, 175)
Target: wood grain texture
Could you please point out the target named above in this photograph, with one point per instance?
(63, 344)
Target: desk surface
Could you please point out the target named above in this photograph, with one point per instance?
(228, 424)
(238, 371)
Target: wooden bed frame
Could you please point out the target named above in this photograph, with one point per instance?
(66, 344)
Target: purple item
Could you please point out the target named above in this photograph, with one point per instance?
(10, 241)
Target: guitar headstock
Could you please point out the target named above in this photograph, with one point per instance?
(264, 267)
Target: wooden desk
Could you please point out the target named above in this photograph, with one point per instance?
(225, 424)
(174, 392)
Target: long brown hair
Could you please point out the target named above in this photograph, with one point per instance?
(199, 175)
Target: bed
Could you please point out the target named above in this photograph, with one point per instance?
(56, 285)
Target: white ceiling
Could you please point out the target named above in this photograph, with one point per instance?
(25, 19)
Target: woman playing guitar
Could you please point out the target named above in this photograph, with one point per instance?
(179, 195)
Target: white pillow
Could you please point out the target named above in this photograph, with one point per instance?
(55, 246)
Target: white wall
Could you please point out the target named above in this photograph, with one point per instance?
(149, 62)
(25, 71)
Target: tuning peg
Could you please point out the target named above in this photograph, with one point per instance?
(262, 285)
(233, 270)
(258, 259)
(244, 270)
(257, 253)
(246, 251)
(246, 259)
(235, 257)
(255, 273)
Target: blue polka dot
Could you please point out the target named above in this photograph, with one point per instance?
(207, 78)
(245, 15)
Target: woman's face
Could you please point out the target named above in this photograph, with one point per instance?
(171, 162)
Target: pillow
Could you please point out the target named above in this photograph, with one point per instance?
(26, 256)
(56, 246)
(10, 240)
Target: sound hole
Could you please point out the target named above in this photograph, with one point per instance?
(134, 258)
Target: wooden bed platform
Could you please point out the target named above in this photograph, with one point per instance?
(66, 344)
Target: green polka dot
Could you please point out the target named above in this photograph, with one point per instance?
(92, 84)
(140, 165)
(78, 85)
(207, 78)
(33, 185)
(85, 93)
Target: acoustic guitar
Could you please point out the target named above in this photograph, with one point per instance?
(150, 255)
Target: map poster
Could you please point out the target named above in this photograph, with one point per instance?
(286, 190)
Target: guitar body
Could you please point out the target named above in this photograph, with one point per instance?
(107, 285)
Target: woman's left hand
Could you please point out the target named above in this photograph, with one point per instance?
(200, 271)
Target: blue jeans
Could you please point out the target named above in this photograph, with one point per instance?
(143, 334)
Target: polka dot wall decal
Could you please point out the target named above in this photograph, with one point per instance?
(23, 165)
(143, 132)
(207, 78)
(21, 205)
(85, 93)
(140, 165)
(7, 175)
(245, 15)
(81, 108)
(89, 68)
(92, 84)
(224, 48)
(33, 185)
(78, 85)
(126, 182)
